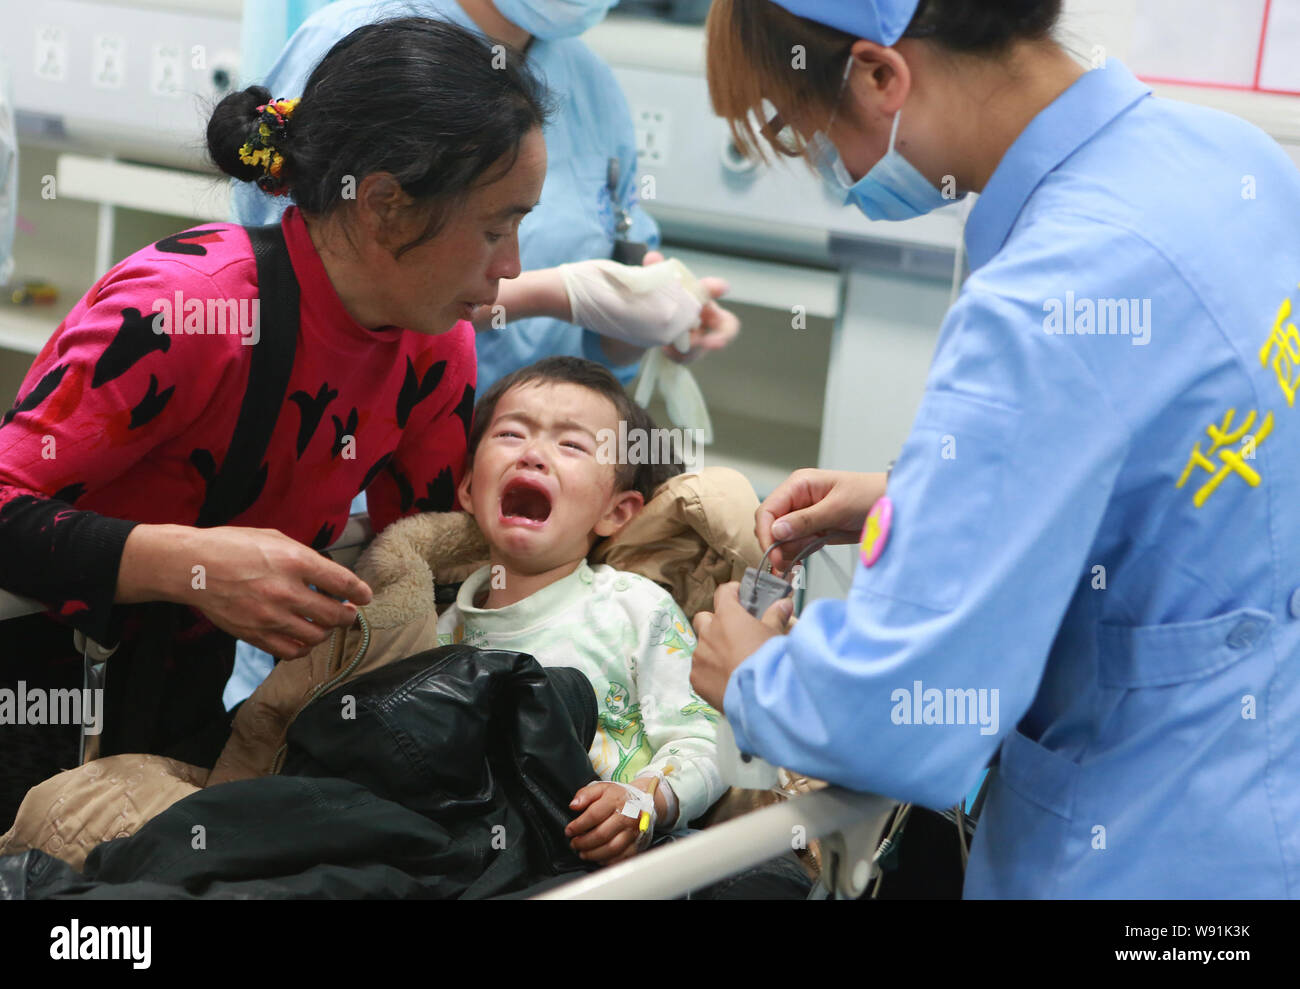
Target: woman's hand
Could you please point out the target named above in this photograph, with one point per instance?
(252, 583)
(811, 504)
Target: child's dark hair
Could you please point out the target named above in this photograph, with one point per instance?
(426, 101)
(644, 478)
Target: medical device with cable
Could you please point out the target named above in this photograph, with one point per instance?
(759, 590)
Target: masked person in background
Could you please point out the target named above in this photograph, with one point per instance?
(591, 181)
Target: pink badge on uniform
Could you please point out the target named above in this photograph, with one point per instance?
(876, 532)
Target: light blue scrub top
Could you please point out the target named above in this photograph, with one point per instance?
(1080, 526)
(574, 220)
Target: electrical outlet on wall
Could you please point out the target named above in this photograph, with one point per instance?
(167, 70)
(653, 127)
(108, 61)
(51, 53)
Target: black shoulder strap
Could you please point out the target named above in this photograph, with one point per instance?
(242, 470)
(137, 675)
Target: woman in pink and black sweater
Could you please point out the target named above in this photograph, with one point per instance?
(411, 157)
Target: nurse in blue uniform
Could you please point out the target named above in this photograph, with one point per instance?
(1085, 564)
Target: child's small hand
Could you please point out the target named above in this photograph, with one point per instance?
(602, 833)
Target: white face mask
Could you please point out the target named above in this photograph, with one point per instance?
(551, 20)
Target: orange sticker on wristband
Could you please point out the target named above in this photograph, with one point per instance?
(876, 532)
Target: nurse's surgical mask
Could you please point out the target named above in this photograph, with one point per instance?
(893, 190)
(551, 20)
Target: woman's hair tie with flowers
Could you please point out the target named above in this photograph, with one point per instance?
(263, 147)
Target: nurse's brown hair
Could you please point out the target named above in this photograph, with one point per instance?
(759, 51)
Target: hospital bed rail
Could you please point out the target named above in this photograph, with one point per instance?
(849, 825)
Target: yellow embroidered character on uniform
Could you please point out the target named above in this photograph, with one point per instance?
(1285, 340)
(1231, 460)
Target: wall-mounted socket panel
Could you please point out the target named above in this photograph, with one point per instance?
(129, 79)
(654, 128)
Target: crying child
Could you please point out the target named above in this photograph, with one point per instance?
(543, 491)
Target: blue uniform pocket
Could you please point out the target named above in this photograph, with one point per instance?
(1134, 656)
(591, 206)
(1039, 775)
(1026, 824)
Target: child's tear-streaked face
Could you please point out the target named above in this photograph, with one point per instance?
(537, 488)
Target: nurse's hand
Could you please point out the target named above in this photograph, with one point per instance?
(728, 636)
(718, 327)
(813, 504)
(253, 583)
(630, 304)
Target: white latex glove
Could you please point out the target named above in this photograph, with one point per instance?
(644, 306)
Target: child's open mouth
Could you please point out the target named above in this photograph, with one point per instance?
(525, 503)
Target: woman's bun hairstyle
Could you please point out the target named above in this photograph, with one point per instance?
(230, 127)
(433, 105)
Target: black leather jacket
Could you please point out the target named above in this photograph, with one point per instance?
(446, 775)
